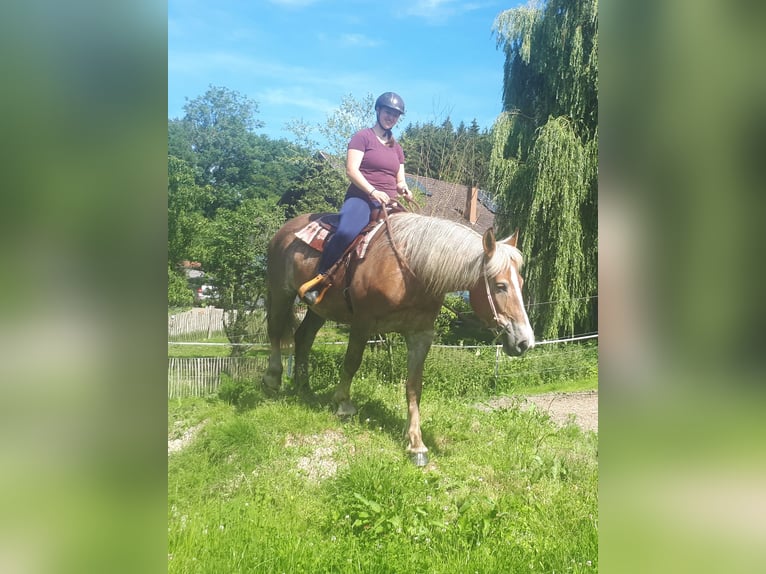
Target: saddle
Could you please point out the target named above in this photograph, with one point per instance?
(317, 232)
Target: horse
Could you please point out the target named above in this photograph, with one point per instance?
(398, 286)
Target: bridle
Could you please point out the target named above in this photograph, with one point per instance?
(501, 322)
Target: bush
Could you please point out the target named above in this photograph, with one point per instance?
(179, 293)
(457, 372)
(240, 393)
(457, 324)
(460, 372)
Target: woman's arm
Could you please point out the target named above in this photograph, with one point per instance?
(353, 161)
(401, 183)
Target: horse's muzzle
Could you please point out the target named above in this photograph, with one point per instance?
(516, 341)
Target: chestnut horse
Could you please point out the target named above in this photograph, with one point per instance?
(399, 286)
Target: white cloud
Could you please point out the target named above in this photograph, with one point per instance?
(359, 40)
(439, 11)
(294, 96)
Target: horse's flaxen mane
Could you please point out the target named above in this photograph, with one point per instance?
(445, 255)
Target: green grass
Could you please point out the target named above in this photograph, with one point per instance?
(285, 486)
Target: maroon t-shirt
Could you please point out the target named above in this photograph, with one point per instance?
(380, 163)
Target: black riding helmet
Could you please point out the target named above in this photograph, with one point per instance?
(390, 100)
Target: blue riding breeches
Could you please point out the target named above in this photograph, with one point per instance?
(354, 216)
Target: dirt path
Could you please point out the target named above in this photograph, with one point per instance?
(582, 405)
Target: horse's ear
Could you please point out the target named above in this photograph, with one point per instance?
(488, 241)
(513, 239)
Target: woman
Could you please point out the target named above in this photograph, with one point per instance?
(375, 166)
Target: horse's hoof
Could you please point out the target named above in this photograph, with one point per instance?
(346, 409)
(268, 390)
(307, 395)
(419, 458)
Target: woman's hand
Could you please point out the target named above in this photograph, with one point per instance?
(405, 191)
(380, 196)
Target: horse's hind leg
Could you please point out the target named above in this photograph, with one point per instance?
(304, 338)
(354, 352)
(278, 320)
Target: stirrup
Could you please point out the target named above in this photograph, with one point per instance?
(309, 294)
(309, 284)
(313, 297)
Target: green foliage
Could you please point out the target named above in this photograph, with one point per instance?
(219, 125)
(284, 487)
(463, 372)
(549, 366)
(460, 372)
(236, 257)
(351, 116)
(186, 206)
(240, 393)
(544, 159)
(179, 294)
(320, 187)
(457, 324)
(378, 498)
(458, 155)
(325, 362)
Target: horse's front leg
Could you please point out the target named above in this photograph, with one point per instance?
(342, 396)
(418, 345)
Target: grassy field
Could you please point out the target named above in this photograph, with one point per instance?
(285, 486)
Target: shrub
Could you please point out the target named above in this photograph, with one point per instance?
(179, 294)
(240, 393)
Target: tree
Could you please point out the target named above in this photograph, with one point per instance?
(179, 294)
(457, 155)
(186, 204)
(320, 187)
(351, 116)
(544, 158)
(236, 257)
(218, 127)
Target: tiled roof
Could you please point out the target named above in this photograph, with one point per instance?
(448, 200)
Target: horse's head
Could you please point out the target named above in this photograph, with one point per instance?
(496, 297)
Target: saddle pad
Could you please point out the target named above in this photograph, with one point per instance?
(314, 234)
(361, 247)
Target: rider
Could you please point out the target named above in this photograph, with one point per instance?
(375, 166)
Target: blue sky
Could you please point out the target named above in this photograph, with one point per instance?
(299, 58)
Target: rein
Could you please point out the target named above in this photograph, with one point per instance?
(398, 253)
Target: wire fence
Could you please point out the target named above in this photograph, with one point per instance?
(202, 376)
(551, 360)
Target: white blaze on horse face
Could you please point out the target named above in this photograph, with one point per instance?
(516, 282)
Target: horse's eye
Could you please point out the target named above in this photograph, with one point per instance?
(501, 287)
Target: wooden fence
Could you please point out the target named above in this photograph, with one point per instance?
(201, 376)
(207, 320)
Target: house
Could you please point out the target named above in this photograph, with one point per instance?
(192, 269)
(463, 204)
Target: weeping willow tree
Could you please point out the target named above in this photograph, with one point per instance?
(544, 162)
